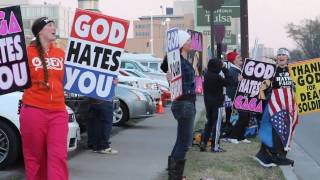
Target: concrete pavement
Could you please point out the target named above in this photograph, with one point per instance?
(306, 148)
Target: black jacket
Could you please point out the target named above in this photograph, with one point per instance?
(213, 86)
(234, 73)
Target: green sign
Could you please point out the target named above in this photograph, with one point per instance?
(222, 16)
(230, 40)
(231, 3)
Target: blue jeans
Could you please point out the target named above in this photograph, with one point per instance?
(100, 125)
(184, 112)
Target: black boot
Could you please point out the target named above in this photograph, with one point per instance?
(203, 146)
(169, 163)
(282, 160)
(264, 157)
(177, 168)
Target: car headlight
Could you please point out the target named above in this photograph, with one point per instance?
(140, 96)
(152, 86)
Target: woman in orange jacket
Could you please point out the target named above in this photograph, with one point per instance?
(43, 117)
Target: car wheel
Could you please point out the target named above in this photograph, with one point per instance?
(120, 115)
(10, 145)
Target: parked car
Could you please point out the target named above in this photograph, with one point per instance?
(134, 103)
(147, 84)
(165, 95)
(80, 105)
(137, 73)
(147, 60)
(10, 139)
(127, 64)
(129, 102)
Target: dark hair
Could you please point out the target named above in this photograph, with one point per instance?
(43, 61)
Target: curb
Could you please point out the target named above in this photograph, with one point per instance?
(288, 172)
(305, 167)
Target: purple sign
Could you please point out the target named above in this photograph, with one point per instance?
(14, 69)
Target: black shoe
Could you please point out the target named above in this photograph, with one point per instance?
(169, 163)
(282, 160)
(203, 147)
(176, 169)
(264, 159)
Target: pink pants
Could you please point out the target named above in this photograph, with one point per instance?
(44, 143)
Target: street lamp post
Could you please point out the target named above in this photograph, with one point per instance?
(151, 33)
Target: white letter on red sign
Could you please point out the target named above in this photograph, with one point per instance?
(81, 28)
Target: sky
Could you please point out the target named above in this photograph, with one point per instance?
(267, 18)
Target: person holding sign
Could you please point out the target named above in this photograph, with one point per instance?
(238, 130)
(280, 116)
(183, 109)
(213, 100)
(43, 115)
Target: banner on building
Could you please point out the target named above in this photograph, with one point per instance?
(14, 69)
(93, 54)
(247, 95)
(306, 76)
(174, 63)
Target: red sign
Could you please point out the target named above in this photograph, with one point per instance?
(95, 27)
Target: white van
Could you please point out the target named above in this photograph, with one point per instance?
(146, 60)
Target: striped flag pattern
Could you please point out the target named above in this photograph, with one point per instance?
(284, 114)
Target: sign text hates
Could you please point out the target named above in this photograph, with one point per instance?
(254, 73)
(94, 50)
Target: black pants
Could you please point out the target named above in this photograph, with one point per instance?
(100, 125)
(212, 127)
(239, 129)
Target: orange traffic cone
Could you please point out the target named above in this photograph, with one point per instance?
(160, 107)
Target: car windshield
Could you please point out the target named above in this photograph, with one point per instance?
(142, 68)
(137, 74)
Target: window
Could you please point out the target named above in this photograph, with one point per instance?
(153, 66)
(128, 65)
(145, 64)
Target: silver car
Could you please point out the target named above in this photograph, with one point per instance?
(134, 103)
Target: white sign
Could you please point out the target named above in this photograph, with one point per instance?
(174, 63)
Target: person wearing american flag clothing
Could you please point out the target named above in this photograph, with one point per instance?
(280, 115)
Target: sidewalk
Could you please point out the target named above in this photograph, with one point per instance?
(305, 166)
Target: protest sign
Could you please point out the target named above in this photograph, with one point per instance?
(247, 95)
(174, 63)
(93, 58)
(306, 76)
(14, 69)
(195, 55)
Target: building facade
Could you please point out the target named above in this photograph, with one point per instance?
(144, 35)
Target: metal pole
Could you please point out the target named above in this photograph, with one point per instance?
(212, 33)
(151, 33)
(244, 28)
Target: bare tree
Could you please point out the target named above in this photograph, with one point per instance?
(307, 36)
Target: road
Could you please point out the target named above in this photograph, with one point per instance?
(143, 146)
(306, 147)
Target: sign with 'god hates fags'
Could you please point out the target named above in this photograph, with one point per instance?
(14, 69)
(247, 95)
(174, 63)
(94, 50)
(306, 76)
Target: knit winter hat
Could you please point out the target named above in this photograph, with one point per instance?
(232, 56)
(39, 23)
(283, 51)
(183, 37)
